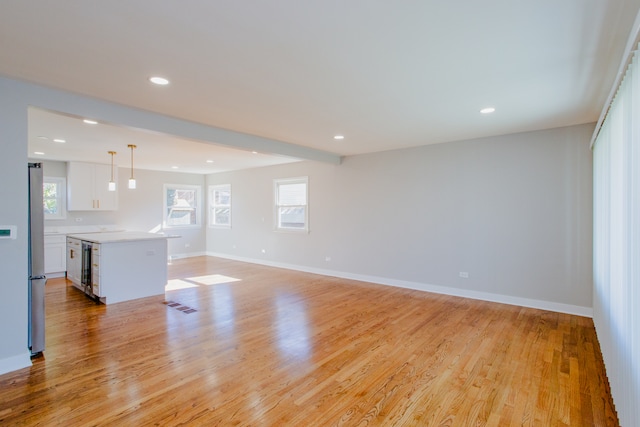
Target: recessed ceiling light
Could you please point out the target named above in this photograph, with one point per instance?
(338, 137)
(174, 167)
(42, 137)
(209, 161)
(90, 122)
(156, 80)
(40, 153)
(254, 152)
(488, 110)
(60, 140)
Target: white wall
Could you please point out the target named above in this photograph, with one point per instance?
(140, 209)
(14, 351)
(512, 211)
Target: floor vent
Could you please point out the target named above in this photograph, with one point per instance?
(183, 308)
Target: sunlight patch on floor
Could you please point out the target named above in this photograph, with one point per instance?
(212, 279)
(194, 282)
(175, 284)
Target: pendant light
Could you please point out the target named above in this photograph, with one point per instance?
(132, 180)
(112, 183)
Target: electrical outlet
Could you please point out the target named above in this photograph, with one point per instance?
(464, 274)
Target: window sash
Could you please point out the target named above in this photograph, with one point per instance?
(220, 206)
(291, 204)
(181, 206)
(54, 197)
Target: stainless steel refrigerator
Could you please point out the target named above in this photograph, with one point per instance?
(37, 278)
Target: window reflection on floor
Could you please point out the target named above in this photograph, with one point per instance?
(292, 326)
(224, 310)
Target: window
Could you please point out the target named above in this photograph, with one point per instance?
(54, 197)
(291, 198)
(220, 206)
(181, 205)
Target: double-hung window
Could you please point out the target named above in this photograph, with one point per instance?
(54, 197)
(291, 204)
(182, 205)
(220, 206)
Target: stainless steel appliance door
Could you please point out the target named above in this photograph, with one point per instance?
(37, 278)
(36, 331)
(36, 221)
(85, 277)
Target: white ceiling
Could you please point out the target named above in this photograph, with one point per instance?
(384, 74)
(153, 151)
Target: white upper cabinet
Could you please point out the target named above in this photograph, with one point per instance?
(88, 187)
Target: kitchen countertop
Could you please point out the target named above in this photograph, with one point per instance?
(80, 229)
(118, 236)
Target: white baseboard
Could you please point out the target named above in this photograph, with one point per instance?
(55, 275)
(14, 363)
(445, 290)
(186, 255)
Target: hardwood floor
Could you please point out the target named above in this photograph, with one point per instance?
(257, 346)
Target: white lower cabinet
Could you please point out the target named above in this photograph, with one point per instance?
(95, 271)
(55, 262)
(74, 260)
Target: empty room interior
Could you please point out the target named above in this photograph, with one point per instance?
(320, 213)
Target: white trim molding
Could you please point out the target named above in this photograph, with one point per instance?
(445, 290)
(14, 363)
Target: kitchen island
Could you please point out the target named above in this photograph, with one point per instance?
(117, 266)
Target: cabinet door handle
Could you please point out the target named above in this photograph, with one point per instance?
(71, 254)
(98, 203)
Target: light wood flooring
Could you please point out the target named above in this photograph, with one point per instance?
(248, 345)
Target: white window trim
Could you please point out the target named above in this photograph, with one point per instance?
(212, 205)
(276, 225)
(198, 190)
(62, 198)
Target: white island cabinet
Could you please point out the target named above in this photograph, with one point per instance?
(123, 265)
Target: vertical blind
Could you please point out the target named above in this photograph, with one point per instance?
(616, 299)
